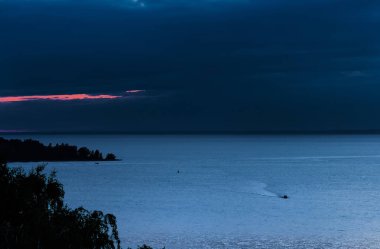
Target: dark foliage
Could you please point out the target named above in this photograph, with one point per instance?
(33, 215)
(145, 247)
(110, 157)
(29, 150)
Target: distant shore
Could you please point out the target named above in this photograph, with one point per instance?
(28, 150)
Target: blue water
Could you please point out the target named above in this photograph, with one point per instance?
(226, 194)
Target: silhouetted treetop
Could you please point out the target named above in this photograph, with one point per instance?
(15, 150)
(33, 215)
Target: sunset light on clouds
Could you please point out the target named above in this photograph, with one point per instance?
(135, 91)
(58, 97)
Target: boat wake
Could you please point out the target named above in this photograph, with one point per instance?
(258, 188)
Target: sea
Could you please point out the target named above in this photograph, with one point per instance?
(224, 191)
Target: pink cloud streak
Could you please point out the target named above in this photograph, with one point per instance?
(59, 97)
(135, 91)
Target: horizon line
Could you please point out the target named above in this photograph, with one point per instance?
(205, 132)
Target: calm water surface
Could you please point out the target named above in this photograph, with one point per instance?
(226, 192)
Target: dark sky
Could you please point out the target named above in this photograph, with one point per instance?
(211, 65)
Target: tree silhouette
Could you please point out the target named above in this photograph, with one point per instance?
(110, 157)
(33, 215)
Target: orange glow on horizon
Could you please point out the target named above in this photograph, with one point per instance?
(58, 97)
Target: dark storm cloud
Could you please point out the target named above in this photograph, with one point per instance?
(208, 65)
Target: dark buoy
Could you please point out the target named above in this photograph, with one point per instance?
(177, 171)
